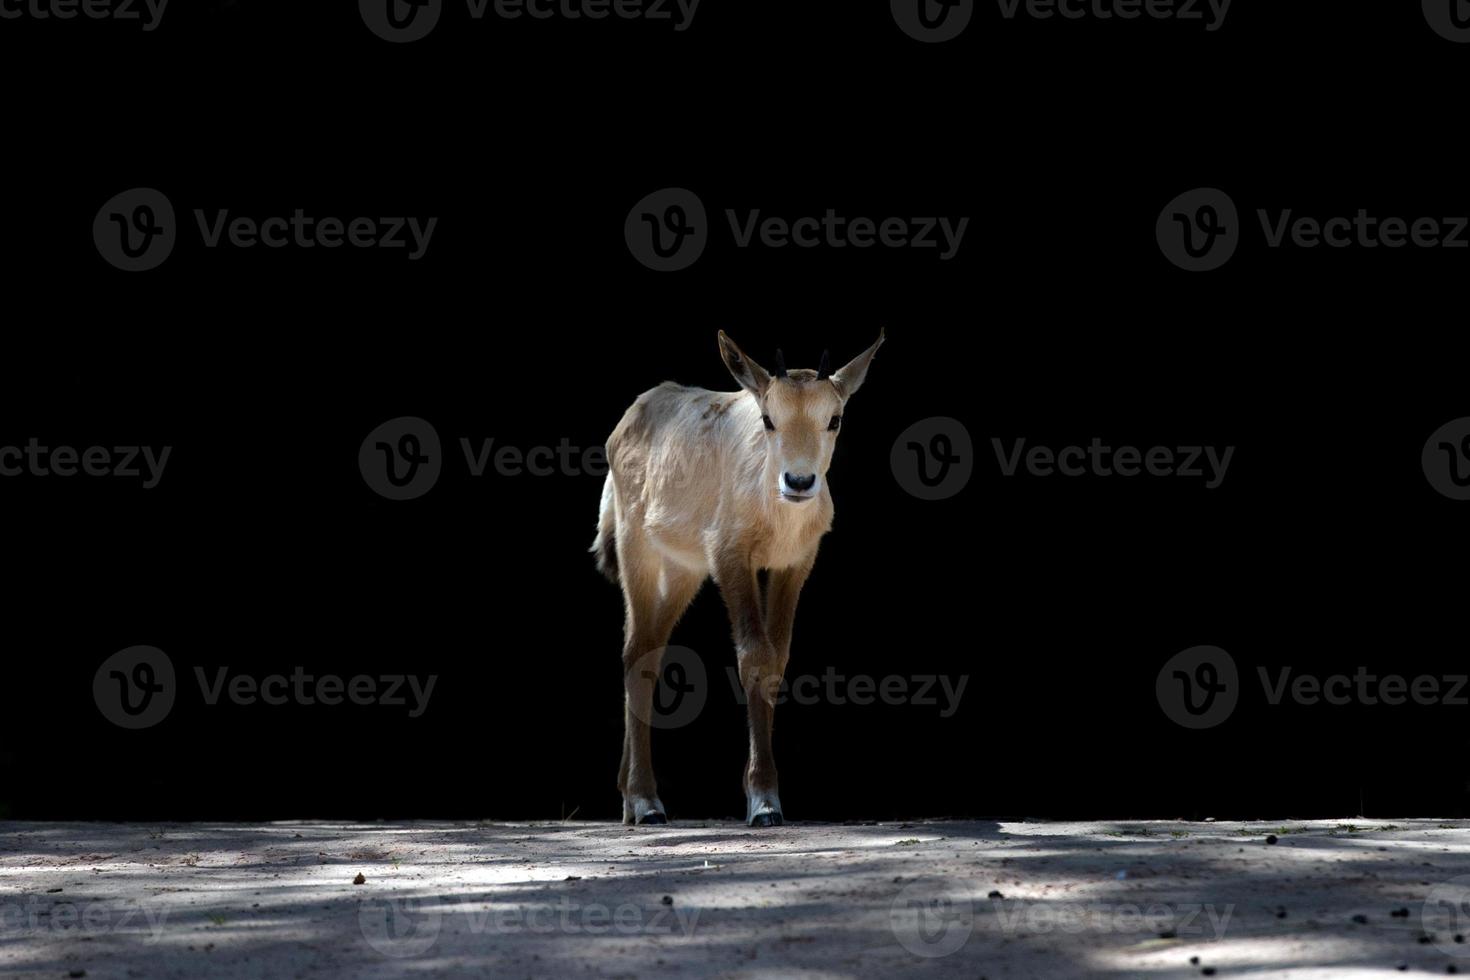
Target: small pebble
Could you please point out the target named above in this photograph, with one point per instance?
(1360, 919)
(1168, 934)
(1270, 838)
(1281, 911)
(667, 900)
(359, 880)
(1400, 913)
(994, 894)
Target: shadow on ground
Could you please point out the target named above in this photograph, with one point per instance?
(1327, 899)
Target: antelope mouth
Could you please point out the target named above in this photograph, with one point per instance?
(796, 498)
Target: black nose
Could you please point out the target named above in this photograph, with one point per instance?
(801, 484)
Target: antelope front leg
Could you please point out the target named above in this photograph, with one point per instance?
(761, 662)
(782, 592)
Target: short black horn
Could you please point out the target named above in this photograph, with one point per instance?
(824, 366)
(780, 363)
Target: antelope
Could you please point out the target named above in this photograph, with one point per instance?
(713, 484)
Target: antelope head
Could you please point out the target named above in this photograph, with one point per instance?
(801, 412)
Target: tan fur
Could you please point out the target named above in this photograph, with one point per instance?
(695, 490)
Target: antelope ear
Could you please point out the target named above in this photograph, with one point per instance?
(752, 377)
(849, 377)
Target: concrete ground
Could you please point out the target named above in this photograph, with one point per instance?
(1338, 898)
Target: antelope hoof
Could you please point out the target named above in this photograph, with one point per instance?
(644, 811)
(763, 810)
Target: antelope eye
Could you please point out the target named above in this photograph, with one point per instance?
(770, 426)
(835, 424)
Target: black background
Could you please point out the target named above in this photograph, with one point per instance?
(529, 322)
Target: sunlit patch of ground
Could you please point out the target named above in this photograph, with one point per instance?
(1342, 899)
